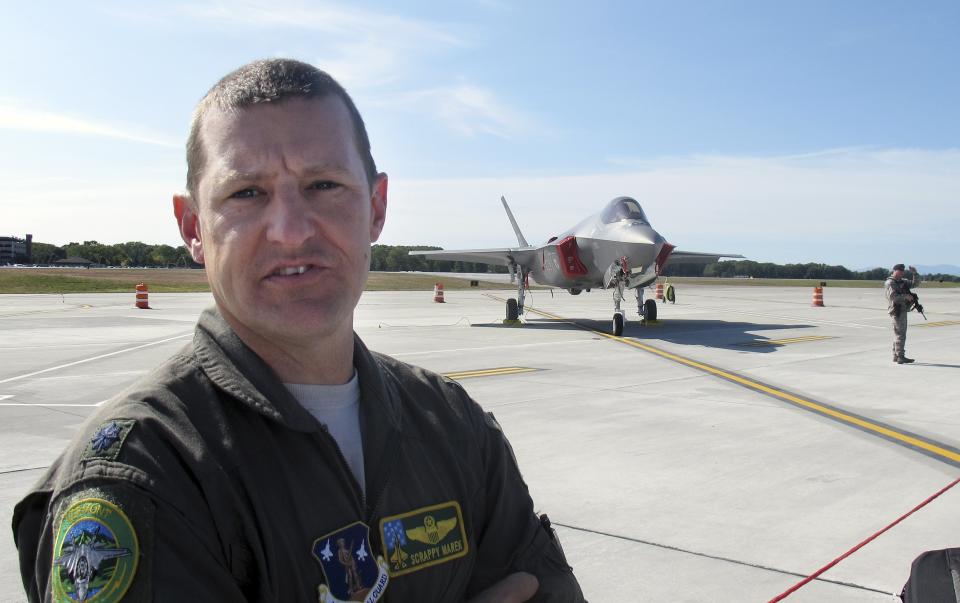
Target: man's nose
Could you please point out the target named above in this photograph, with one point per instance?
(288, 217)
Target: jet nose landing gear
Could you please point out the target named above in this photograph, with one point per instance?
(617, 328)
(617, 275)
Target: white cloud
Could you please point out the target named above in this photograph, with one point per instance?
(464, 108)
(331, 19)
(372, 54)
(365, 65)
(60, 210)
(15, 115)
(857, 207)
(361, 48)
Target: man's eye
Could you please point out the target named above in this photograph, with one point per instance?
(247, 193)
(323, 185)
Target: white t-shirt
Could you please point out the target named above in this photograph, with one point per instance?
(337, 407)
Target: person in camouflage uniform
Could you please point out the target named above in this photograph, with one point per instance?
(899, 301)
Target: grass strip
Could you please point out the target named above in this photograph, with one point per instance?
(178, 280)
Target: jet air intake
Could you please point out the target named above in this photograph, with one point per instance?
(570, 261)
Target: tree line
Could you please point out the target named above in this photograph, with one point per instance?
(387, 258)
(394, 258)
(128, 254)
(811, 270)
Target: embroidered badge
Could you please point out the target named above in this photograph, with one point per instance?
(424, 537)
(350, 569)
(108, 439)
(95, 553)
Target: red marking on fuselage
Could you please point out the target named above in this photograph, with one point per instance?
(570, 258)
(663, 256)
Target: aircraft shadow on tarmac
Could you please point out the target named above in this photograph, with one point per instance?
(739, 336)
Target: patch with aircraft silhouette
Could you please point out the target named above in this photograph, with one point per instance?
(95, 553)
(351, 570)
(424, 537)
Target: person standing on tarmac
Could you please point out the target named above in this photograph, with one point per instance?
(899, 301)
(276, 458)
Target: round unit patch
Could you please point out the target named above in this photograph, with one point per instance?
(95, 553)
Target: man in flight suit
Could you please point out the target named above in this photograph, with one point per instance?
(899, 302)
(241, 467)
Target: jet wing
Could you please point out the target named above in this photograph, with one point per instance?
(698, 257)
(522, 256)
(96, 556)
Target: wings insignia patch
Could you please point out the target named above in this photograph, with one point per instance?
(423, 537)
(432, 531)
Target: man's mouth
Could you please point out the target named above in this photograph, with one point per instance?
(291, 270)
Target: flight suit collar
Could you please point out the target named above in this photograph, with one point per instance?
(236, 369)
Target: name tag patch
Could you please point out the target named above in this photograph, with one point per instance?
(424, 537)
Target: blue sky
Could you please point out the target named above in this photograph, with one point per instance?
(786, 131)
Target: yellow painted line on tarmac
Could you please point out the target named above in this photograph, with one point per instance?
(934, 449)
(491, 372)
(803, 339)
(942, 323)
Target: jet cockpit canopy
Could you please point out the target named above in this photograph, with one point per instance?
(623, 208)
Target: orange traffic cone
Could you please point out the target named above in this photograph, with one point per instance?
(817, 297)
(142, 296)
(660, 291)
(438, 293)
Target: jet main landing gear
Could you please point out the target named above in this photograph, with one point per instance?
(650, 311)
(647, 309)
(512, 311)
(515, 306)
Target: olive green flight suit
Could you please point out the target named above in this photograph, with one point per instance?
(228, 483)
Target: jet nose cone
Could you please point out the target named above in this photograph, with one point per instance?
(641, 233)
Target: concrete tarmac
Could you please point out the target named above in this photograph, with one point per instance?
(740, 443)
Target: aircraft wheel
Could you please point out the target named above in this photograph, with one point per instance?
(650, 310)
(575, 291)
(618, 324)
(512, 312)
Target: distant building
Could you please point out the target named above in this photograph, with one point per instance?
(14, 250)
(74, 262)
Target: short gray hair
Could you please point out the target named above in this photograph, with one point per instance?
(270, 81)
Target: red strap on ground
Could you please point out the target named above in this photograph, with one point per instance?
(817, 573)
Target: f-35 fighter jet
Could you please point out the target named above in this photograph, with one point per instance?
(613, 249)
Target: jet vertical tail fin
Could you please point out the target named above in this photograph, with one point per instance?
(513, 222)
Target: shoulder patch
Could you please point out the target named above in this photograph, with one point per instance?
(108, 439)
(95, 552)
(423, 537)
(350, 570)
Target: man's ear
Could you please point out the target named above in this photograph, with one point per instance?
(189, 223)
(378, 206)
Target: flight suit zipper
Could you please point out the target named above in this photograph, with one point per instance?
(359, 496)
(346, 474)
